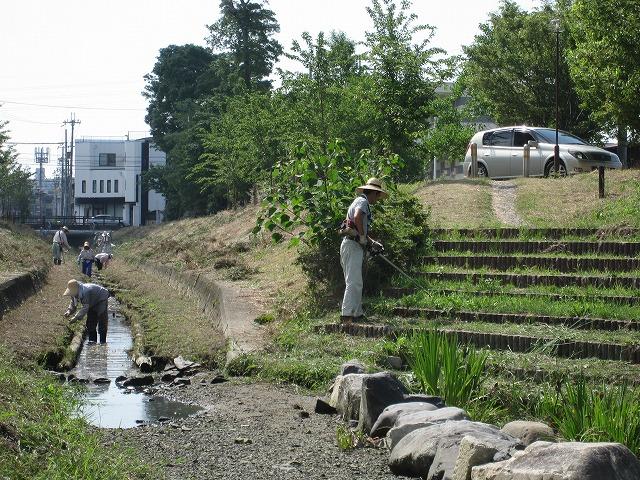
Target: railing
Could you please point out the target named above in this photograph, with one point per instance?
(73, 222)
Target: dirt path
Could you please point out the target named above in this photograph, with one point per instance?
(503, 200)
(252, 431)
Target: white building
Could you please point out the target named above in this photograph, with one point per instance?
(108, 180)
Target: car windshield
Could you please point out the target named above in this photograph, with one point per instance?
(564, 138)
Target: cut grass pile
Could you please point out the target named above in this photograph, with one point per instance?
(40, 438)
(573, 201)
(170, 322)
(22, 249)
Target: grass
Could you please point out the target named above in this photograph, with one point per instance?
(22, 249)
(504, 303)
(458, 203)
(169, 322)
(573, 201)
(42, 438)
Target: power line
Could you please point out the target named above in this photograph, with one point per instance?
(73, 107)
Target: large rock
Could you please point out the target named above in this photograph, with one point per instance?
(565, 461)
(409, 421)
(352, 366)
(346, 394)
(529, 432)
(431, 452)
(387, 418)
(379, 390)
(472, 452)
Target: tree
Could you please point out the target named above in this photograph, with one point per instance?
(245, 32)
(605, 62)
(405, 75)
(16, 185)
(510, 72)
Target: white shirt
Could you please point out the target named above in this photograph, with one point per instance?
(61, 238)
(360, 203)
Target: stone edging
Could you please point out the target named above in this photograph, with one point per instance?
(221, 303)
(17, 287)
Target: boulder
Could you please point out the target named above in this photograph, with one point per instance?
(387, 418)
(379, 390)
(529, 432)
(420, 397)
(564, 461)
(431, 452)
(352, 366)
(345, 397)
(473, 452)
(324, 408)
(138, 381)
(409, 421)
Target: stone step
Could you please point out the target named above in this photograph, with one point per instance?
(545, 233)
(580, 323)
(617, 299)
(497, 341)
(560, 264)
(627, 249)
(530, 279)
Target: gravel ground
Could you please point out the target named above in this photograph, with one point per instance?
(251, 431)
(504, 203)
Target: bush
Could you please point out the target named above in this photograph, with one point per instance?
(308, 198)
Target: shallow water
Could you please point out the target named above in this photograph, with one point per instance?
(108, 406)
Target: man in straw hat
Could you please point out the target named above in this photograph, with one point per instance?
(94, 299)
(59, 242)
(352, 248)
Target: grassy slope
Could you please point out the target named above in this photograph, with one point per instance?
(573, 201)
(21, 249)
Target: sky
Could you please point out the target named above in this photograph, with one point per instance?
(88, 58)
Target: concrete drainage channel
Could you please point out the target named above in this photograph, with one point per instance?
(117, 396)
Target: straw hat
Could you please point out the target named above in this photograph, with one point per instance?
(375, 185)
(86, 244)
(72, 288)
(66, 229)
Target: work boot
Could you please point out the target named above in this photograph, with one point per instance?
(346, 319)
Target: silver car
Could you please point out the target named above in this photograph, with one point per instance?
(500, 153)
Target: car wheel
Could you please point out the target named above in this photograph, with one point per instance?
(550, 170)
(482, 171)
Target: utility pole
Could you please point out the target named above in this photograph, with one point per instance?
(73, 123)
(41, 156)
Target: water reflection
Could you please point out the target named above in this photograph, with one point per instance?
(107, 405)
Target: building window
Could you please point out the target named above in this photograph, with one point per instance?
(115, 186)
(101, 186)
(108, 186)
(95, 186)
(84, 186)
(107, 160)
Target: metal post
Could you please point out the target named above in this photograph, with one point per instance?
(556, 148)
(600, 182)
(435, 169)
(526, 155)
(474, 160)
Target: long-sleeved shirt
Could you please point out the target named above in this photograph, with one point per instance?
(89, 294)
(86, 254)
(104, 258)
(61, 238)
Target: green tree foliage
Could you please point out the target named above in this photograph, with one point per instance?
(510, 71)
(245, 32)
(405, 75)
(449, 138)
(15, 182)
(308, 197)
(605, 61)
(243, 142)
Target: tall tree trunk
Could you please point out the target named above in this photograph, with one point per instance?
(622, 145)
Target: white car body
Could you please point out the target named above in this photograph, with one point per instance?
(501, 150)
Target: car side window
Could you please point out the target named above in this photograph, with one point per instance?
(521, 138)
(500, 138)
